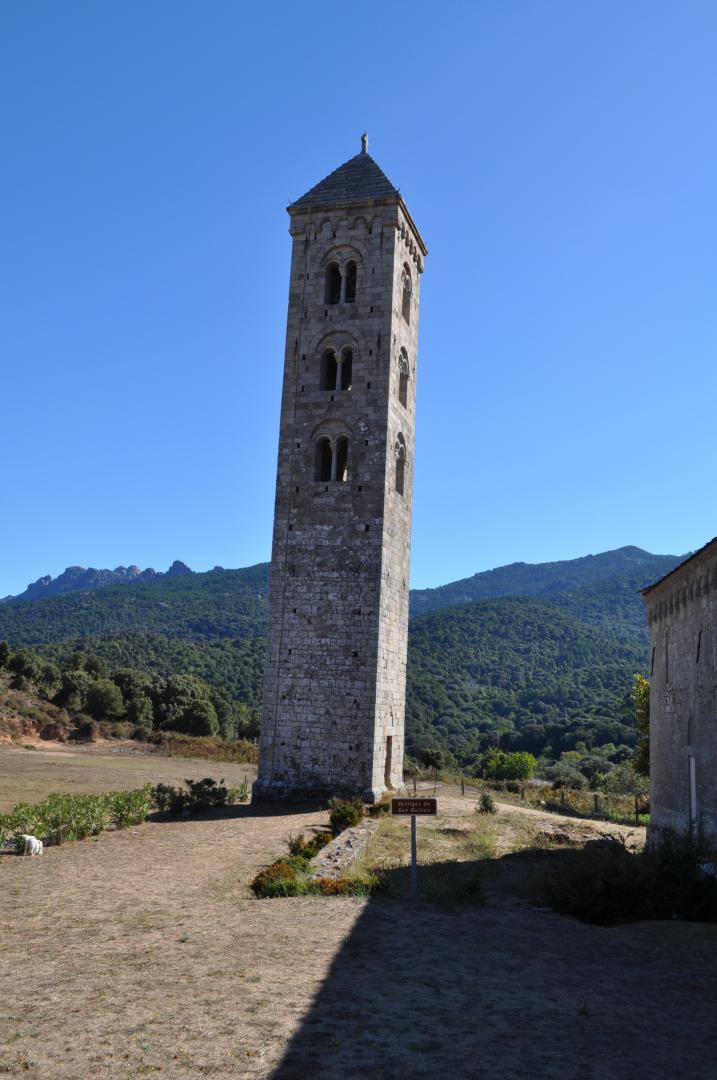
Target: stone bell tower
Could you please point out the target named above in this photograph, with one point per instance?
(335, 673)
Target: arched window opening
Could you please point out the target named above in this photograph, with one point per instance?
(407, 289)
(342, 459)
(323, 460)
(347, 360)
(403, 379)
(350, 295)
(400, 451)
(332, 290)
(327, 378)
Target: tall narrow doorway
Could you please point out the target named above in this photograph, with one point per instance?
(389, 753)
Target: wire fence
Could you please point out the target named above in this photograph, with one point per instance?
(628, 808)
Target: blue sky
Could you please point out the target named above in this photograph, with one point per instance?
(560, 160)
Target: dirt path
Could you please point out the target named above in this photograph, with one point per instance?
(634, 835)
(140, 952)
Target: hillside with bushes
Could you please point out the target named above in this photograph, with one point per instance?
(83, 697)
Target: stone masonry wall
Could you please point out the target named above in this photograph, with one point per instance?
(334, 684)
(682, 617)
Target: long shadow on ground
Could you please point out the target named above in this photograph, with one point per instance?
(239, 810)
(508, 991)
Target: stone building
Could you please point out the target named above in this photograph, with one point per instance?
(682, 620)
(335, 670)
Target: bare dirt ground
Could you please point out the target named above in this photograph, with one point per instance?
(142, 953)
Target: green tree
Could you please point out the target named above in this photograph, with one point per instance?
(23, 662)
(104, 700)
(200, 718)
(4, 653)
(72, 694)
(516, 765)
(641, 703)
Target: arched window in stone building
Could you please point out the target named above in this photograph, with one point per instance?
(347, 360)
(332, 288)
(323, 459)
(350, 279)
(407, 286)
(400, 452)
(342, 459)
(327, 375)
(403, 378)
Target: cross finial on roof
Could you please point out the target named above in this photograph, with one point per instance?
(364, 143)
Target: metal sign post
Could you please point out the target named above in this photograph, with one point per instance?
(414, 859)
(413, 807)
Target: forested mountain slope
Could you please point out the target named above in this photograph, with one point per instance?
(546, 579)
(521, 670)
(535, 673)
(218, 604)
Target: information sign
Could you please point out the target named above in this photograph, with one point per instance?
(414, 806)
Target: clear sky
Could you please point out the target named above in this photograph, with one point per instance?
(560, 159)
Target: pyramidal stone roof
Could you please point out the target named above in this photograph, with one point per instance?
(358, 180)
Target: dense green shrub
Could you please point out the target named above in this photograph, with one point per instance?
(206, 793)
(290, 877)
(499, 765)
(62, 817)
(486, 804)
(285, 877)
(344, 814)
(199, 795)
(377, 809)
(363, 884)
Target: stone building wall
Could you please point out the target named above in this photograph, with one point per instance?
(335, 666)
(682, 619)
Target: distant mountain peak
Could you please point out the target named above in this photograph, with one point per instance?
(84, 579)
(177, 569)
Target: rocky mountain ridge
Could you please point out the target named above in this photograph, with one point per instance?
(83, 579)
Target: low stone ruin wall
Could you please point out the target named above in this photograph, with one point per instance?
(335, 859)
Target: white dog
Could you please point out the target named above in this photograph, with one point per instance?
(33, 846)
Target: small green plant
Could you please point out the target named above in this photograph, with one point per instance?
(308, 849)
(239, 794)
(345, 814)
(377, 809)
(486, 804)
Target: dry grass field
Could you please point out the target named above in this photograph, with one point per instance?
(30, 774)
(142, 953)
